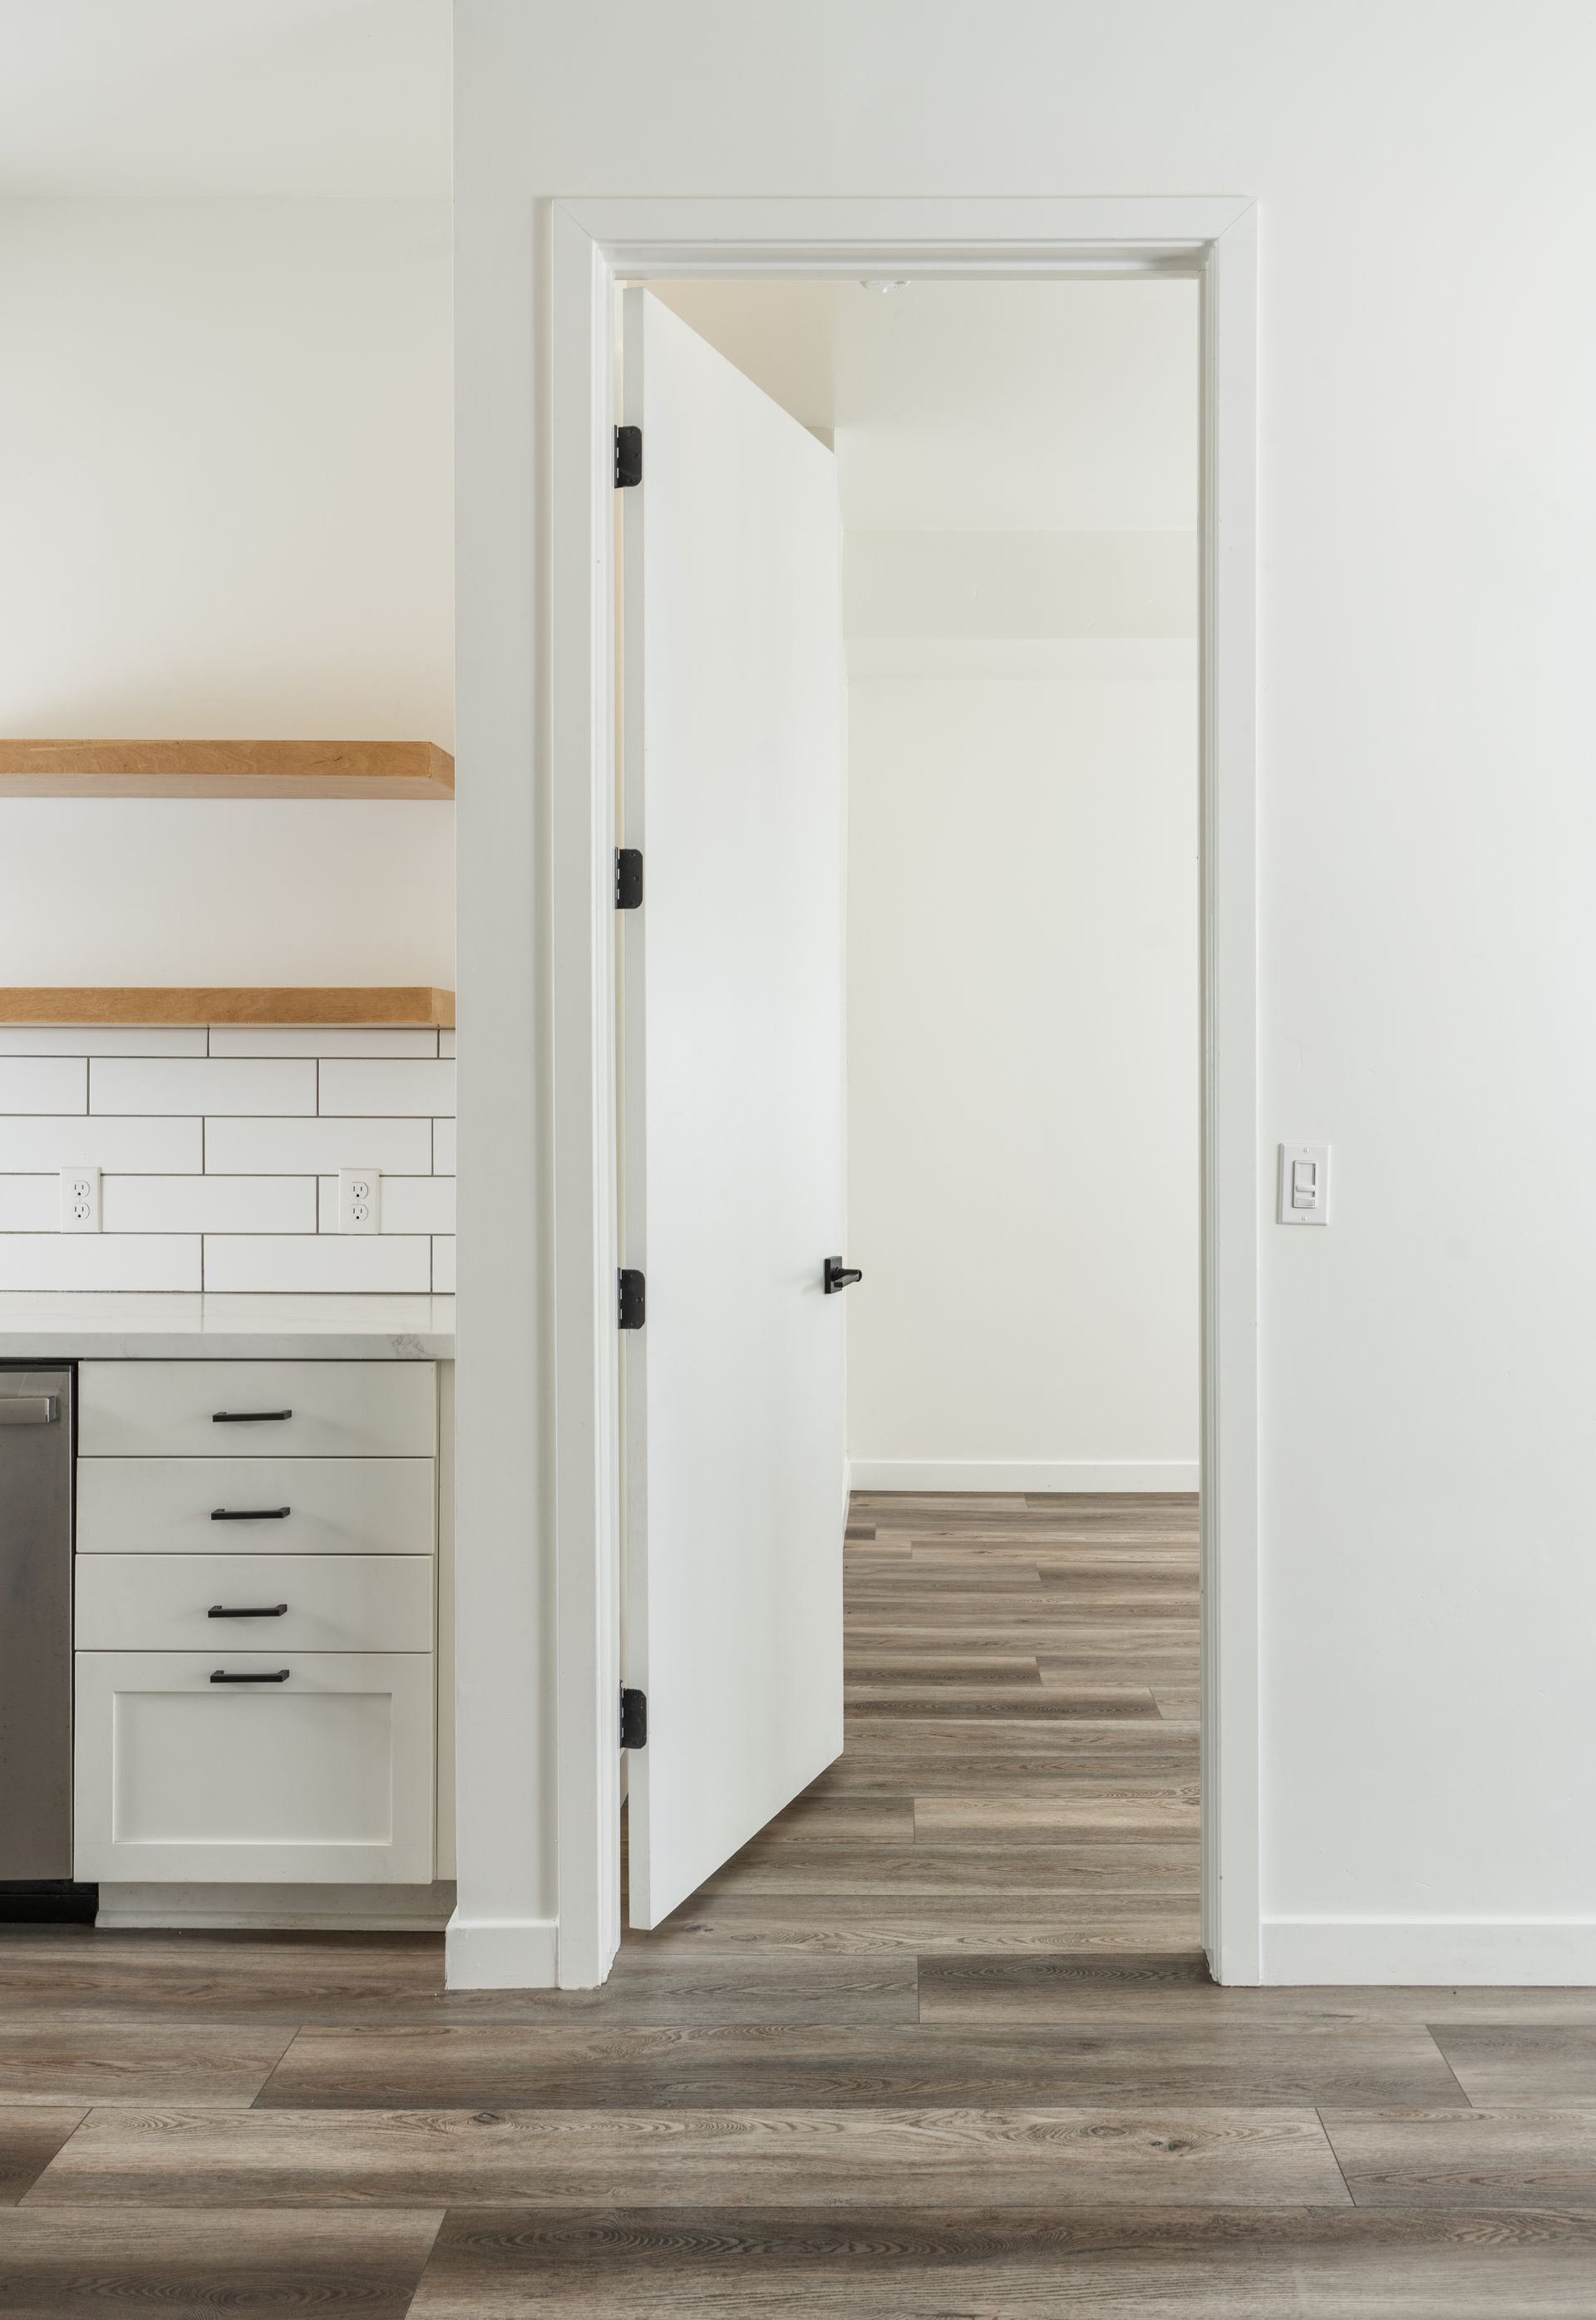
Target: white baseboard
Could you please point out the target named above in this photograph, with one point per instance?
(278, 1909)
(501, 1953)
(1501, 1953)
(1010, 1474)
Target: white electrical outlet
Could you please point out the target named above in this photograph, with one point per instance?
(80, 1200)
(358, 1192)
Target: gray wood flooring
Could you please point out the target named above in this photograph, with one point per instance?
(940, 2045)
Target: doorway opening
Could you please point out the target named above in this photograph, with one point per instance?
(916, 974)
(593, 247)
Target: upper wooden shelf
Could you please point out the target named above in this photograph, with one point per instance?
(51, 1005)
(255, 769)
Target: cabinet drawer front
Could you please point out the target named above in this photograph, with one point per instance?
(324, 1776)
(228, 1410)
(194, 1602)
(336, 1506)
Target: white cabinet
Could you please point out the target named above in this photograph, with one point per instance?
(220, 1603)
(229, 1409)
(319, 1771)
(256, 1615)
(242, 1506)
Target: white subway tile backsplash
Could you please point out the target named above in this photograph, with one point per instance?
(30, 1204)
(316, 1263)
(203, 1085)
(405, 1204)
(318, 1039)
(159, 1148)
(113, 1039)
(44, 1083)
(207, 1204)
(218, 1149)
(316, 1147)
(401, 1088)
(101, 1260)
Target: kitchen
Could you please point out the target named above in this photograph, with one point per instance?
(227, 1039)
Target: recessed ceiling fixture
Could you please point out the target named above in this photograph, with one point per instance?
(884, 286)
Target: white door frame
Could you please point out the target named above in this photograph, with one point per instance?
(591, 245)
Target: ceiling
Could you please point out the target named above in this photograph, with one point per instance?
(196, 97)
(980, 406)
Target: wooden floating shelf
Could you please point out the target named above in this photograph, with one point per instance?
(417, 770)
(49, 1006)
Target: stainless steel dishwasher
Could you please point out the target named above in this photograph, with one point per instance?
(35, 1631)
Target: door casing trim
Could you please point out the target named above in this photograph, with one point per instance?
(586, 246)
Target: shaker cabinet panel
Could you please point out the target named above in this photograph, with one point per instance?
(298, 1767)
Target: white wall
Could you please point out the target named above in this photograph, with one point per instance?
(225, 458)
(1022, 1083)
(1018, 473)
(1428, 827)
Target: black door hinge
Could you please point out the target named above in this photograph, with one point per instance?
(629, 457)
(630, 1300)
(628, 878)
(634, 1718)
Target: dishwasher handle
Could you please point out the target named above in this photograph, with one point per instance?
(30, 1409)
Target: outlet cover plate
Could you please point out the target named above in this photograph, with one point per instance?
(80, 1200)
(360, 1195)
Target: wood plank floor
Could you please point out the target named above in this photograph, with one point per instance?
(939, 2043)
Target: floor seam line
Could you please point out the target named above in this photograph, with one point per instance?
(1334, 2155)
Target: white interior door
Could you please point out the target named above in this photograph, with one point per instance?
(732, 1079)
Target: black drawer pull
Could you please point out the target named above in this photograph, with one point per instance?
(246, 1416)
(251, 1611)
(220, 1675)
(250, 1514)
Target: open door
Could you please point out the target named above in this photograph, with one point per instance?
(732, 1107)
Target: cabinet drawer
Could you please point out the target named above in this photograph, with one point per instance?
(192, 1603)
(192, 1506)
(225, 1409)
(324, 1776)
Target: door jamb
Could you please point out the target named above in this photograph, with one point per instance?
(591, 244)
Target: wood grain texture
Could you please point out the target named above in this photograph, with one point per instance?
(824, 1872)
(1465, 2158)
(1005, 2264)
(169, 2263)
(938, 2044)
(922, 2157)
(1518, 2063)
(52, 2064)
(694, 2067)
(28, 2140)
(418, 770)
(49, 1004)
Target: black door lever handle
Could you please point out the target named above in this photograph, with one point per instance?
(839, 1275)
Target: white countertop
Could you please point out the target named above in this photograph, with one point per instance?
(68, 1327)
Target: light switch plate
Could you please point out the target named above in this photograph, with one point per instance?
(359, 1191)
(1302, 1194)
(80, 1200)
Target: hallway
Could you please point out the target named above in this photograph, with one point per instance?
(940, 2041)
